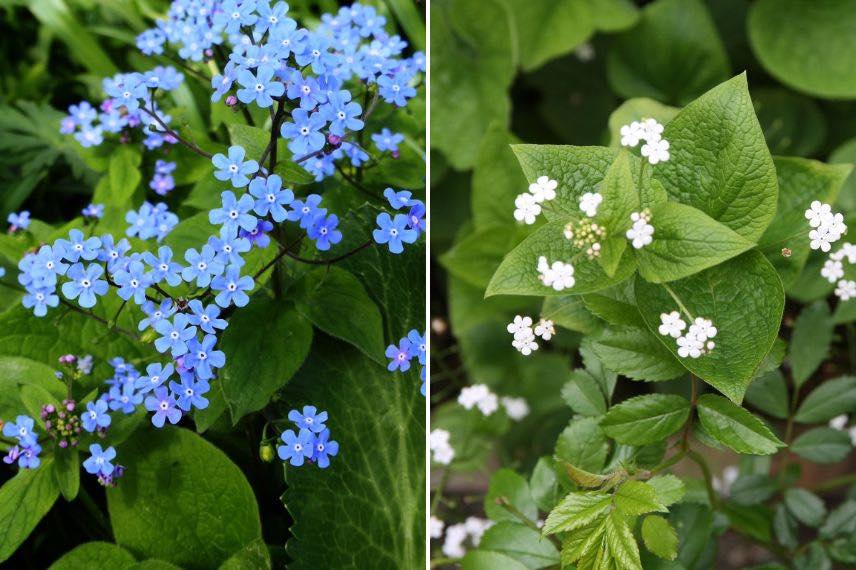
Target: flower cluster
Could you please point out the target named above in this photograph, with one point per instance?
(641, 232)
(473, 528)
(26, 451)
(62, 424)
(696, 342)
(480, 396)
(656, 148)
(585, 235)
(524, 334)
(162, 182)
(311, 442)
(828, 226)
(558, 275)
(396, 231)
(528, 205)
(150, 221)
(414, 345)
(442, 451)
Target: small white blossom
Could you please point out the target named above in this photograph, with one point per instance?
(476, 528)
(526, 208)
(489, 404)
(847, 250)
(545, 329)
(520, 327)
(723, 485)
(444, 455)
(525, 345)
(702, 329)
(846, 289)
(832, 270)
(821, 239)
(453, 546)
(543, 189)
(559, 275)
(438, 438)
(589, 203)
(656, 151)
(516, 408)
(690, 346)
(631, 134)
(839, 422)
(480, 396)
(671, 324)
(641, 234)
(435, 527)
(584, 52)
(441, 451)
(817, 213)
(651, 130)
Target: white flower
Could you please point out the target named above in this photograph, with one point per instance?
(559, 275)
(672, 324)
(525, 345)
(516, 408)
(480, 396)
(689, 346)
(817, 213)
(526, 208)
(443, 455)
(832, 270)
(520, 327)
(589, 203)
(453, 546)
(656, 150)
(821, 239)
(846, 289)
(702, 329)
(435, 527)
(723, 485)
(543, 189)
(641, 234)
(848, 250)
(489, 404)
(584, 52)
(438, 438)
(838, 422)
(476, 527)
(651, 131)
(631, 134)
(545, 329)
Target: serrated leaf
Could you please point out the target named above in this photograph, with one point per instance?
(805, 506)
(635, 353)
(622, 545)
(583, 444)
(521, 543)
(734, 427)
(830, 399)
(769, 393)
(669, 488)
(744, 299)
(582, 540)
(660, 537)
(810, 341)
(583, 478)
(637, 498)
(823, 445)
(646, 419)
(576, 510)
(583, 394)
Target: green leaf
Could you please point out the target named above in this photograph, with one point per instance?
(744, 299)
(95, 555)
(521, 543)
(24, 500)
(508, 485)
(583, 444)
(66, 468)
(544, 483)
(475, 257)
(785, 527)
(248, 381)
(337, 303)
(253, 555)
(805, 506)
(472, 67)
(116, 189)
(518, 273)
(813, 559)
(497, 179)
(636, 110)
(793, 124)
(819, 60)
(571, 313)
(841, 521)
(583, 478)
(686, 241)
(646, 419)
(660, 538)
(616, 305)
(754, 521)
(810, 341)
(669, 488)
(408, 15)
(16, 372)
(637, 498)
(636, 353)
(547, 29)
(583, 394)
(613, 15)
(769, 393)
(620, 198)
(622, 545)
(830, 399)
(731, 425)
(823, 445)
(575, 511)
(673, 54)
(583, 541)
(487, 560)
(719, 160)
(174, 476)
(753, 489)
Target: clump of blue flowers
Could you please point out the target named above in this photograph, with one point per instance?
(311, 442)
(26, 451)
(414, 345)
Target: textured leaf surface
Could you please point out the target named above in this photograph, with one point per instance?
(832, 398)
(621, 543)
(669, 488)
(583, 444)
(24, 500)
(733, 426)
(805, 506)
(719, 160)
(583, 394)
(744, 299)
(575, 511)
(510, 486)
(646, 419)
(521, 543)
(660, 537)
(181, 500)
(637, 498)
(95, 555)
(823, 445)
(635, 353)
(810, 341)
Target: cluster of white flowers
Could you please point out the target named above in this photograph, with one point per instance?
(527, 206)
(642, 232)
(656, 148)
(524, 335)
(457, 534)
(589, 203)
(833, 269)
(828, 226)
(479, 396)
(516, 408)
(722, 485)
(696, 341)
(558, 275)
(441, 450)
(840, 423)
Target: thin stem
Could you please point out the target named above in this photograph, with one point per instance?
(506, 504)
(835, 483)
(438, 492)
(172, 133)
(355, 183)
(677, 300)
(708, 478)
(331, 260)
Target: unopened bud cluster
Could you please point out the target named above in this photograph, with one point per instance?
(585, 235)
(62, 424)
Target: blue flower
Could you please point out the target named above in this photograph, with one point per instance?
(151, 42)
(423, 377)
(174, 335)
(232, 287)
(306, 89)
(156, 375)
(39, 299)
(418, 344)
(206, 318)
(398, 200)
(113, 253)
(201, 266)
(306, 212)
(93, 212)
(202, 357)
(323, 231)
(99, 460)
(163, 267)
(190, 392)
(229, 247)
(234, 168)
(124, 398)
(269, 16)
(162, 184)
(297, 448)
(132, 282)
(304, 134)
(78, 246)
(324, 449)
(310, 419)
(394, 232)
(399, 356)
(233, 14)
(260, 87)
(95, 416)
(396, 89)
(163, 404)
(155, 313)
(287, 38)
(21, 220)
(126, 90)
(258, 235)
(234, 213)
(416, 218)
(27, 456)
(341, 113)
(356, 154)
(316, 54)
(271, 198)
(82, 113)
(47, 264)
(22, 430)
(387, 140)
(85, 284)
(89, 136)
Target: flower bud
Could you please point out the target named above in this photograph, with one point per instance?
(231, 101)
(334, 140)
(266, 452)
